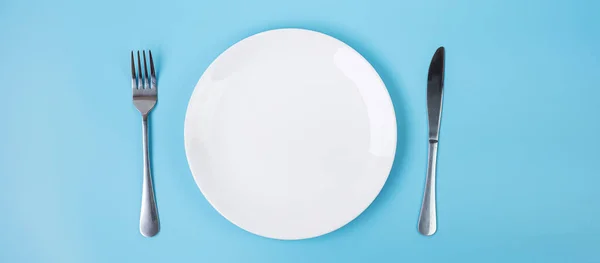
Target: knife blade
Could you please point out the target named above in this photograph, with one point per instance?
(435, 90)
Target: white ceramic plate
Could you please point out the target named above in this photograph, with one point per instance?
(290, 134)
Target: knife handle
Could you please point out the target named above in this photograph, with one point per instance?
(427, 219)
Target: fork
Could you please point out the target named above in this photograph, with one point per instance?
(144, 98)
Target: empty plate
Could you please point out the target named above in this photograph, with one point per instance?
(290, 134)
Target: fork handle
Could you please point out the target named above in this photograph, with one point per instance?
(149, 224)
(427, 219)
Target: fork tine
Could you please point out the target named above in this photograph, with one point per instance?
(152, 72)
(133, 79)
(145, 71)
(140, 77)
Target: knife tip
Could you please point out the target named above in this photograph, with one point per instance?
(436, 68)
(441, 50)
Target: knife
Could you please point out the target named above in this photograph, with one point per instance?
(435, 91)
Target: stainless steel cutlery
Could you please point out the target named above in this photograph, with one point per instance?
(435, 90)
(145, 95)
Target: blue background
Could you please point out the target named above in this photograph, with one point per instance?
(517, 171)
